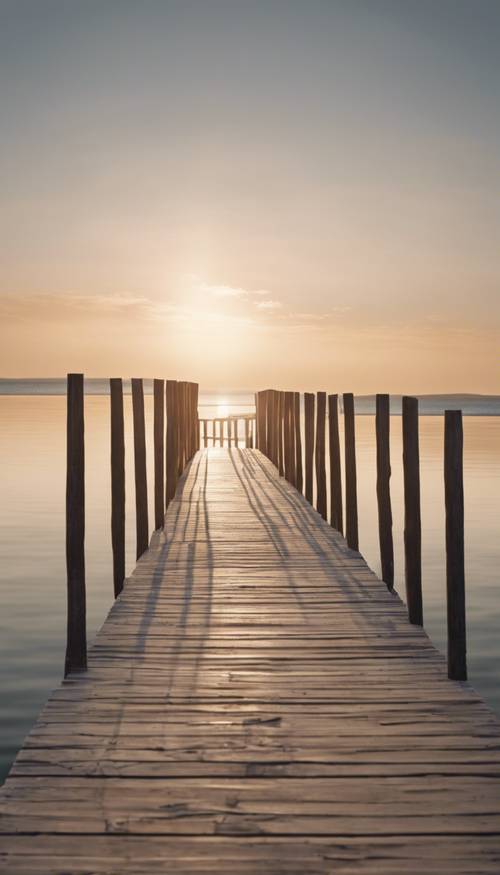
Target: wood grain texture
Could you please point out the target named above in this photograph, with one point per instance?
(256, 701)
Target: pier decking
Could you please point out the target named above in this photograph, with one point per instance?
(256, 702)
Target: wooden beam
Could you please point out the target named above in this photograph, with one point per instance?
(455, 566)
(76, 639)
(117, 483)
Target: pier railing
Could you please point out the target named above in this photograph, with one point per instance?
(176, 439)
(279, 431)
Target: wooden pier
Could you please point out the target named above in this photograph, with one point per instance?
(256, 702)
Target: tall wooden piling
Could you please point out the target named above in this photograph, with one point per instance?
(321, 506)
(76, 640)
(351, 497)
(336, 515)
(412, 525)
(159, 450)
(117, 483)
(288, 440)
(171, 454)
(382, 429)
(141, 485)
(298, 443)
(281, 423)
(309, 444)
(270, 425)
(455, 565)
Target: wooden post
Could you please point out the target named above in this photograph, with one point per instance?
(287, 445)
(276, 429)
(76, 639)
(309, 443)
(336, 520)
(236, 440)
(412, 533)
(455, 567)
(351, 498)
(321, 506)
(257, 402)
(117, 483)
(196, 421)
(171, 459)
(221, 432)
(229, 432)
(291, 426)
(281, 424)
(382, 429)
(298, 442)
(159, 442)
(270, 424)
(141, 484)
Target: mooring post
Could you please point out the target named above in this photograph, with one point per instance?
(298, 443)
(76, 639)
(309, 443)
(141, 484)
(159, 441)
(351, 496)
(455, 565)
(382, 429)
(281, 425)
(336, 515)
(320, 454)
(413, 528)
(171, 453)
(117, 483)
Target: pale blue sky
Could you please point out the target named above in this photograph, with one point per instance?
(334, 166)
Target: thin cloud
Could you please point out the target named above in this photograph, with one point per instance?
(270, 304)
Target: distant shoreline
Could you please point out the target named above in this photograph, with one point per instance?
(430, 404)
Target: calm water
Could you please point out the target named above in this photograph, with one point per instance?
(32, 567)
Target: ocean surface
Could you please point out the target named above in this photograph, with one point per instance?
(32, 558)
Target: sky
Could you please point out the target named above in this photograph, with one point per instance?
(303, 195)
